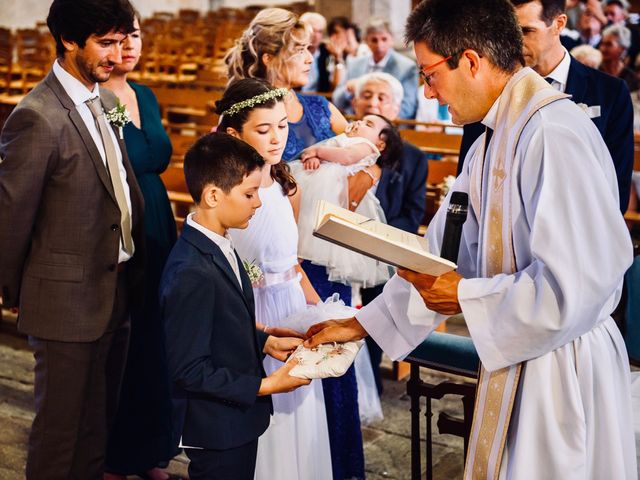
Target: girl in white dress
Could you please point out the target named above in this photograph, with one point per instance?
(296, 444)
(322, 173)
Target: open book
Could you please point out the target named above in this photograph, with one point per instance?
(377, 240)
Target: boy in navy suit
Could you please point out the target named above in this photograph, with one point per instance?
(213, 349)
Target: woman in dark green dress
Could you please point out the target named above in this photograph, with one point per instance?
(141, 439)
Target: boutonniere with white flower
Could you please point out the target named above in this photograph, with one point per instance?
(584, 107)
(118, 116)
(253, 271)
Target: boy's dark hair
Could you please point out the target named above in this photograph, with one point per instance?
(550, 8)
(390, 156)
(242, 90)
(449, 27)
(221, 160)
(76, 20)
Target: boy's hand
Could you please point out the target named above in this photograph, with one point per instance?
(282, 332)
(281, 347)
(280, 381)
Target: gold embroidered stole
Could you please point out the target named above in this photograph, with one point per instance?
(522, 97)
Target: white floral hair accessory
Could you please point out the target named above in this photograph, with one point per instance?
(253, 272)
(257, 100)
(118, 116)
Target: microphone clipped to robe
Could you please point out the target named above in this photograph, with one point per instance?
(456, 216)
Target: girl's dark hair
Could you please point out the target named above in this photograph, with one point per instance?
(390, 156)
(242, 90)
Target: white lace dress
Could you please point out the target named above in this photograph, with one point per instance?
(296, 444)
(329, 182)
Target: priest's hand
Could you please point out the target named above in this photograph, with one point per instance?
(440, 294)
(280, 347)
(346, 330)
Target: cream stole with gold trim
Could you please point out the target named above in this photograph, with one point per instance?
(521, 98)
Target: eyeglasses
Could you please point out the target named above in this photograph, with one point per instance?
(427, 76)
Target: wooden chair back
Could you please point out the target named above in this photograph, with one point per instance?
(6, 58)
(439, 169)
(433, 142)
(179, 197)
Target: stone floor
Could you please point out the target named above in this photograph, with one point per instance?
(386, 443)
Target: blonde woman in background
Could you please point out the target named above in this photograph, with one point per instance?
(587, 55)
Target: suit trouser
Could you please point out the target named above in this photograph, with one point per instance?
(232, 464)
(76, 394)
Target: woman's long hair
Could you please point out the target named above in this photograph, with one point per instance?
(242, 90)
(274, 31)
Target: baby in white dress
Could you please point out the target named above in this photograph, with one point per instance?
(322, 173)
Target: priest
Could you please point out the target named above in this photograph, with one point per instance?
(541, 261)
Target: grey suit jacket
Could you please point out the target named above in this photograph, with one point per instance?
(59, 219)
(398, 66)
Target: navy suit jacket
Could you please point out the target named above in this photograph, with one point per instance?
(402, 191)
(214, 352)
(615, 123)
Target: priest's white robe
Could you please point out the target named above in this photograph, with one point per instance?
(572, 413)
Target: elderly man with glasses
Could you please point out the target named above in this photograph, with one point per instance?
(401, 189)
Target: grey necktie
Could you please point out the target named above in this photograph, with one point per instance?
(95, 106)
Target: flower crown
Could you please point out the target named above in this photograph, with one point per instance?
(257, 100)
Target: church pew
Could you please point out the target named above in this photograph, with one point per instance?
(433, 142)
(179, 196)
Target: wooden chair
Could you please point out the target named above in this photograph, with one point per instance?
(181, 200)
(448, 353)
(438, 171)
(6, 59)
(34, 58)
(433, 142)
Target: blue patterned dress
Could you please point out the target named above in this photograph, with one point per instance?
(340, 394)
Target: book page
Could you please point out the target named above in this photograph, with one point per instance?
(387, 232)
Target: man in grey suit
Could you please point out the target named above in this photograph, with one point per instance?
(383, 58)
(71, 248)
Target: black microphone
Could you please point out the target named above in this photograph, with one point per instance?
(456, 216)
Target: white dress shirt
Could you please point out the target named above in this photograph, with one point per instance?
(223, 242)
(560, 74)
(79, 94)
(380, 66)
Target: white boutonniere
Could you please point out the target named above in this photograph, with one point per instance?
(118, 116)
(253, 271)
(592, 111)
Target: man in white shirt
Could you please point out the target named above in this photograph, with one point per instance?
(72, 244)
(540, 264)
(605, 98)
(383, 58)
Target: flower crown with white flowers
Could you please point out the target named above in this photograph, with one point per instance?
(257, 100)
